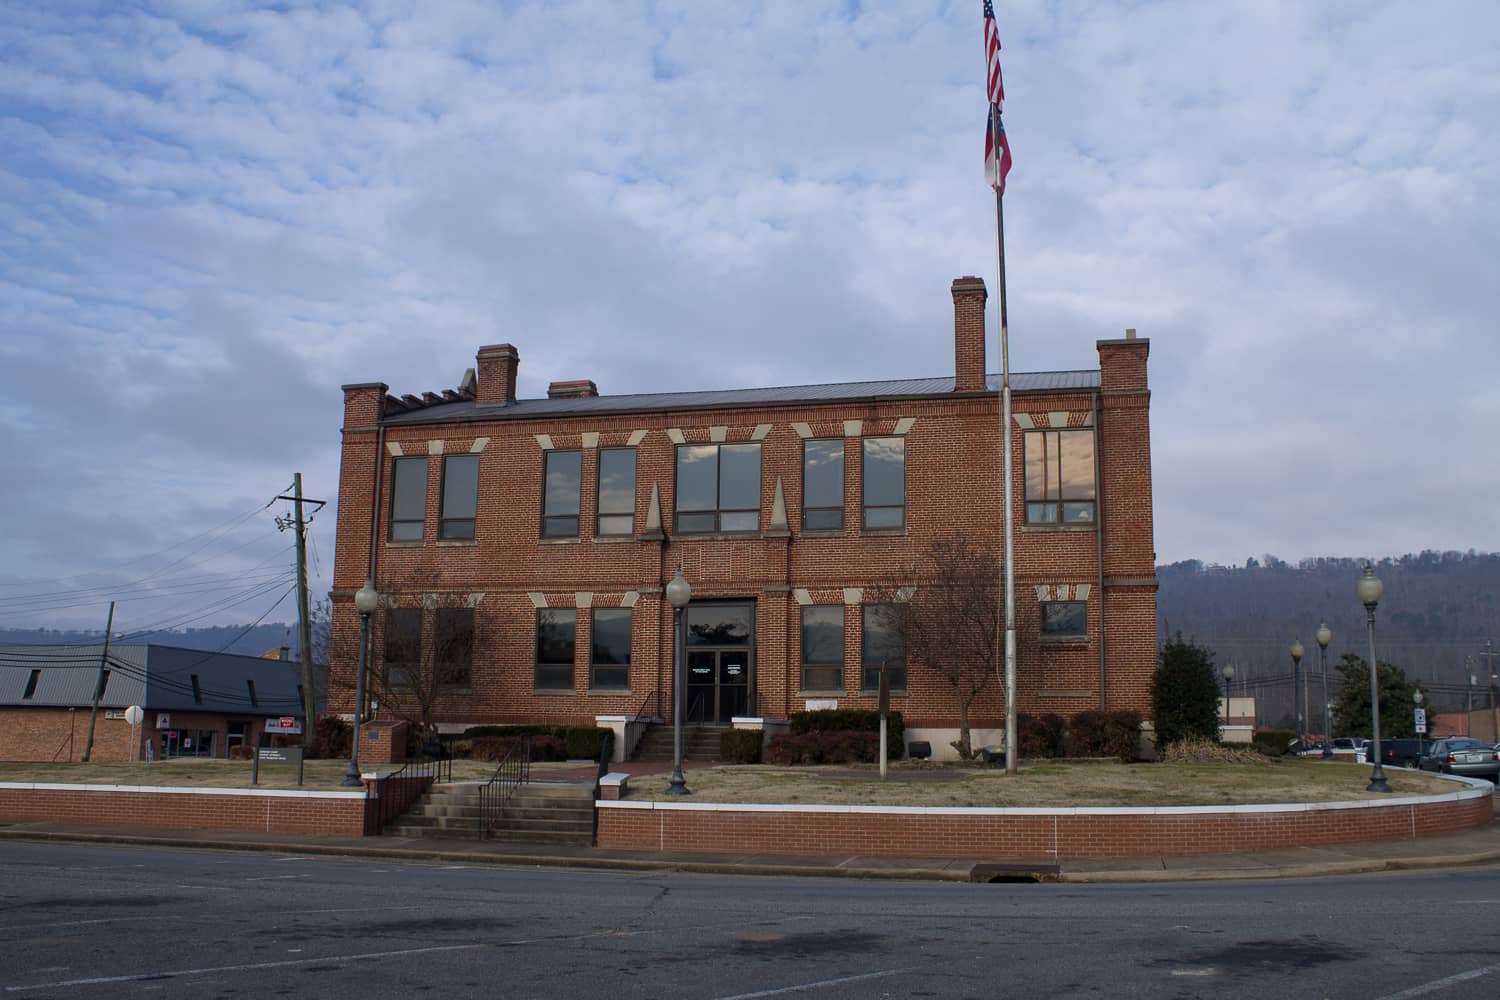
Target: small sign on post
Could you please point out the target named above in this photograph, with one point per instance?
(1420, 716)
(286, 725)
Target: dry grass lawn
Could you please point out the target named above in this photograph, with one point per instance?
(1071, 783)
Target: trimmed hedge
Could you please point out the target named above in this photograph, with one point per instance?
(847, 747)
(1106, 734)
(577, 742)
(332, 737)
(1040, 735)
(844, 720)
(740, 746)
(1273, 742)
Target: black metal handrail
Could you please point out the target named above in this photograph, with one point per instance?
(651, 696)
(513, 771)
(392, 794)
(697, 708)
(606, 753)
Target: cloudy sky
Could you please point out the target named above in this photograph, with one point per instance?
(213, 214)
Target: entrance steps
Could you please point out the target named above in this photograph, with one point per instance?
(699, 744)
(536, 813)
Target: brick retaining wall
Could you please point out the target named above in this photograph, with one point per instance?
(265, 811)
(1032, 833)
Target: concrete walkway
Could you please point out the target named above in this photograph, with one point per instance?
(1464, 850)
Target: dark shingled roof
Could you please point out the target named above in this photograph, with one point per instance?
(908, 388)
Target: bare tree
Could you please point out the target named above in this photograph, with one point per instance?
(422, 649)
(948, 611)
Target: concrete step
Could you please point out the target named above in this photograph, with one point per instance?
(525, 825)
(532, 812)
(582, 839)
(432, 833)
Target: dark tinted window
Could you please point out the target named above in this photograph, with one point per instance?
(453, 646)
(822, 485)
(408, 499)
(564, 482)
(611, 648)
(403, 646)
(460, 496)
(1065, 619)
(718, 487)
(555, 631)
(616, 491)
(823, 647)
(885, 482)
(884, 643)
(720, 624)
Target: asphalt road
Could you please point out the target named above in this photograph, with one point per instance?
(83, 921)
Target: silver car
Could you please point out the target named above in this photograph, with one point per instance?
(1461, 755)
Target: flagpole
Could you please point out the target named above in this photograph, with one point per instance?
(1007, 505)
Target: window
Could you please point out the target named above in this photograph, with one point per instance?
(610, 657)
(564, 478)
(823, 647)
(460, 497)
(555, 629)
(1060, 477)
(823, 485)
(197, 691)
(453, 647)
(403, 646)
(884, 643)
(885, 482)
(1065, 620)
(36, 675)
(616, 491)
(408, 499)
(718, 487)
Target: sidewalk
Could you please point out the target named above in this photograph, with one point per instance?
(1474, 848)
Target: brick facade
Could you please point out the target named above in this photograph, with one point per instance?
(952, 482)
(60, 734)
(322, 813)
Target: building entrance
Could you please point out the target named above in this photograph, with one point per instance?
(720, 662)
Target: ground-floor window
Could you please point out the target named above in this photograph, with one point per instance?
(187, 743)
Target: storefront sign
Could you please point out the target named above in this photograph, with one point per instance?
(286, 725)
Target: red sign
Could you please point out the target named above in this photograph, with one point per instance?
(286, 722)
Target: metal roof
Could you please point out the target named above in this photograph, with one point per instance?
(158, 678)
(911, 388)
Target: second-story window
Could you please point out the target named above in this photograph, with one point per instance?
(885, 482)
(823, 485)
(616, 491)
(563, 483)
(1060, 477)
(460, 497)
(718, 487)
(408, 499)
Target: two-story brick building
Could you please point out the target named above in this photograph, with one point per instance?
(521, 546)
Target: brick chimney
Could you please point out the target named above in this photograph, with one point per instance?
(578, 388)
(498, 364)
(969, 296)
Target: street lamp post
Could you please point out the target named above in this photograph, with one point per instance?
(1228, 672)
(679, 593)
(1369, 589)
(366, 600)
(1297, 652)
(1324, 637)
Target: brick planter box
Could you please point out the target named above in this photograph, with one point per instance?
(948, 832)
(262, 810)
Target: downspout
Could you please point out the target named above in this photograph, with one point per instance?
(373, 562)
(1099, 542)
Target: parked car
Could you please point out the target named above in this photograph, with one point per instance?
(1402, 752)
(1345, 746)
(1463, 756)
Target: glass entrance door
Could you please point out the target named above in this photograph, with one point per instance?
(718, 685)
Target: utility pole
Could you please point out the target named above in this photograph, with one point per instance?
(88, 747)
(304, 620)
(1489, 663)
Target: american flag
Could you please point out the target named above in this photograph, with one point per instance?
(996, 162)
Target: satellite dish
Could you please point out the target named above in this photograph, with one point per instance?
(134, 714)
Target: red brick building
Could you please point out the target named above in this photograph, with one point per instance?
(521, 546)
